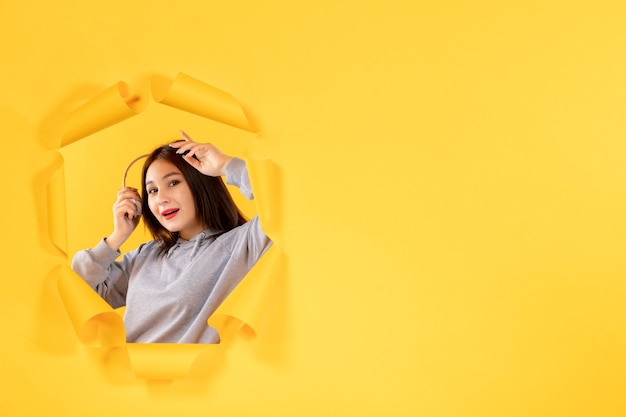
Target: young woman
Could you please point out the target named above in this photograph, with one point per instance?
(202, 245)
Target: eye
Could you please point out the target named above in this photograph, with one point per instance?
(174, 183)
(152, 190)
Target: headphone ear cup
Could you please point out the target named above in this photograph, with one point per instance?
(138, 204)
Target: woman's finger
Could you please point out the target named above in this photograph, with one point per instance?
(190, 148)
(127, 193)
(128, 208)
(185, 136)
(183, 149)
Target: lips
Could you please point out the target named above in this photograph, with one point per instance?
(169, 213)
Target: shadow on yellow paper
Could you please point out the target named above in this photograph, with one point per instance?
(94, 143)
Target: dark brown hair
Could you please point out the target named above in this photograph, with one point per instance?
(215, 208)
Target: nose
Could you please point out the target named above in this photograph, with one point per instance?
(162, 197)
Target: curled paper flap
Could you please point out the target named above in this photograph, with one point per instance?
(112, 106)
(242, 312)
(95, 322)
(194, 96)
(98, 325)
(57, 220)
(165, 361)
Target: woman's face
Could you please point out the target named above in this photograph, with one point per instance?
(170, 199)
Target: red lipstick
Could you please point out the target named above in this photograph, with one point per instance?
(169, 213)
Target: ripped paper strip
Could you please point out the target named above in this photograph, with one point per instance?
(194, 96)
(112, 106)
(96, 323)
(264, 178)
(57, 221)
(159, 361)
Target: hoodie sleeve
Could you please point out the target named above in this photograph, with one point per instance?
(237, 175)
(98, 268)
(252, 239)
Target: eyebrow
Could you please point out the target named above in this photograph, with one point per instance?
(165, 176)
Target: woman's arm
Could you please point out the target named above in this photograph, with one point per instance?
(210, 161)
(257, 242)
(97, 266)
(237, 174)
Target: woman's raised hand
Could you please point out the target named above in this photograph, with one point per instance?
(126, 214)
(209, 160)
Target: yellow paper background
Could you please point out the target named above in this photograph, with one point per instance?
(453, 215)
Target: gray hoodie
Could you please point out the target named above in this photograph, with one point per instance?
(168, 299)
